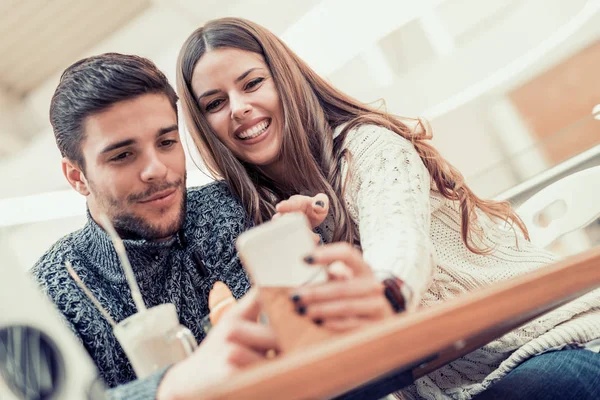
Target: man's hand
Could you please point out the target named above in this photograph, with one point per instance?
(238, 341)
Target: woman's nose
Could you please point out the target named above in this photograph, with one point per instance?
(240, 109)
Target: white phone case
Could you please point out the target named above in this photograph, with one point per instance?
(273, 253)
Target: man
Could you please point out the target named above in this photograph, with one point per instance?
(115, 121)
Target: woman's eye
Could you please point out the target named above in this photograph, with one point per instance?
(213, 105)
(253, 83)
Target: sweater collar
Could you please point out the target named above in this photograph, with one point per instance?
(147, 258)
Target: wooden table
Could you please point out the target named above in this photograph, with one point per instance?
(441, 333)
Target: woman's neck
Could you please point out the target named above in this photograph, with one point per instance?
(276, 172)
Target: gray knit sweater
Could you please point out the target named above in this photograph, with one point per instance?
(166, 273)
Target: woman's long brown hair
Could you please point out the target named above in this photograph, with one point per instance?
(312, 109)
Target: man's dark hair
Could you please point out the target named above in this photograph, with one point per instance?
(94, 84)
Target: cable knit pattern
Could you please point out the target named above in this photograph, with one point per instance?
(164, 271)
(406, 227)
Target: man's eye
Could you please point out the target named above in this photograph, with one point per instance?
(213, 105)
(121, 156)
(253, 83)
(167, 143)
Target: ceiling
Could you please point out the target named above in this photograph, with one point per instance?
(39, 38)
(394, 46)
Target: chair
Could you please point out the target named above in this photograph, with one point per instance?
(564, 206)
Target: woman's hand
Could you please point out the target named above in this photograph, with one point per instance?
(352, 298)
(315, 208)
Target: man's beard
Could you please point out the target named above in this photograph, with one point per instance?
(131, 226)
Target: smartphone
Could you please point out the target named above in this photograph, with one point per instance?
(273, 253)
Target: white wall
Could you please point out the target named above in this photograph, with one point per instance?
(12, 135)
(378, 49)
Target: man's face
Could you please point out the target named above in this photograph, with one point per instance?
(135, 167)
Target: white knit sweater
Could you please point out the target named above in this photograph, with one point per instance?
(407, 228)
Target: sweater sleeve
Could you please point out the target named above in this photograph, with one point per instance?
(391, 188)
(139, 389)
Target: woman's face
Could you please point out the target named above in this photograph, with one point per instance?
(236, 93)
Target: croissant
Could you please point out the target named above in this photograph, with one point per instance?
(219, 300)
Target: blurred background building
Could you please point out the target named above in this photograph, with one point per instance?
(509, 86)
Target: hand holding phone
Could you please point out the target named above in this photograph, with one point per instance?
(273, 253)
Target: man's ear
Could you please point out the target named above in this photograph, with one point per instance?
(74, 174)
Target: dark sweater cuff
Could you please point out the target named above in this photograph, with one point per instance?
(140, 389)
(319, 232)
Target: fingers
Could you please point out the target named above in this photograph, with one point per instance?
(343, 252)
(315, 208)
(300, 203)
(252, 335)
(295, 203)
(247, 308)
(241, 357)
(320, 205)
(338, 290)
(368, 307)
(351, 298)
(338, 271)
(239, 325)
(345, 324)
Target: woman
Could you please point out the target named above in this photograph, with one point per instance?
(267, 124)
